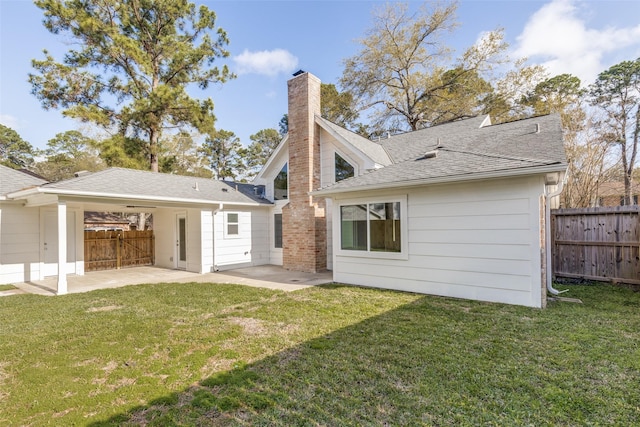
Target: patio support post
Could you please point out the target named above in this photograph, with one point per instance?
(206, 241)
(62, 248)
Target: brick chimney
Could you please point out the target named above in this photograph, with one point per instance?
(304, 231)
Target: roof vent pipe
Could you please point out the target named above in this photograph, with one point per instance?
(537, 127)
(430, 154)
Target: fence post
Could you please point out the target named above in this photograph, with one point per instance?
(119, 251)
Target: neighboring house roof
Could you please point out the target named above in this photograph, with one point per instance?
(143, 185)
(99, 218)
(13, 180)
(371, 149)
(465, 150)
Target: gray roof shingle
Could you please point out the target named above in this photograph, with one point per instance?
(129, 183)
(465, 151)
(14, 180)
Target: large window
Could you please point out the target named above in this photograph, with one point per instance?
(372, 227)
(343, 168)
(281, 184)
(277, 230)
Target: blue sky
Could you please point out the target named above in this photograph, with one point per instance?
(269, 40)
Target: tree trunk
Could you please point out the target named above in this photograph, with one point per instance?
(153, 150)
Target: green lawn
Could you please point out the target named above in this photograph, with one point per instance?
(208, 354)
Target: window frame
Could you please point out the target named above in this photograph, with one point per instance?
(275, 229)
(344, 158)
(368, 253)
(227, 223)
(273, 182)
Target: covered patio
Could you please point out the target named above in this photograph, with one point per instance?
(200, 226)
(266, 276)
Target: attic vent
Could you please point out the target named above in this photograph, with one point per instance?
(225, 190)
(81, 173)
(430, 154)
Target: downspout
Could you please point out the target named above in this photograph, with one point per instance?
(547, 222)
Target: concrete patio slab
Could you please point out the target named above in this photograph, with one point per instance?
(267, 276)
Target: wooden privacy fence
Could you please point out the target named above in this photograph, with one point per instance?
(597, 243)
(107, 250)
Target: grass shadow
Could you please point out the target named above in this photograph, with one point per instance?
(434, 361)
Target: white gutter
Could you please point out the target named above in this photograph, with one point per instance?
(560, 167)
(40, 190)
(547, 236)
(271, 158)
(320, 121)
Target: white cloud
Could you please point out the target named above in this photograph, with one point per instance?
(9, 121)
(267, 62)
(558, 38)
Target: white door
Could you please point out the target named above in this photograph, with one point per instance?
(50, 243)
(181, 241)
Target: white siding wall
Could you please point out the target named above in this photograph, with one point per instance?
(194, 241)
(21, 249)
(329, 146)
(477, 241)
(75, 241)
(198, 239)
(164, 230)
(19, 243)
(329, 214)
(250, 247)
(206, 244)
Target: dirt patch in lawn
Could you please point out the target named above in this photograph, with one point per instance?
(4, 376)
(105, 308)
(251, 326)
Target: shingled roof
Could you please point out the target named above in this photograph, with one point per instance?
(465, 150)
(14, 180)
(129, 183)
(374, 150)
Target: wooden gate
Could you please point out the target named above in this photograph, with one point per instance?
(597, 243)
(107, 250)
